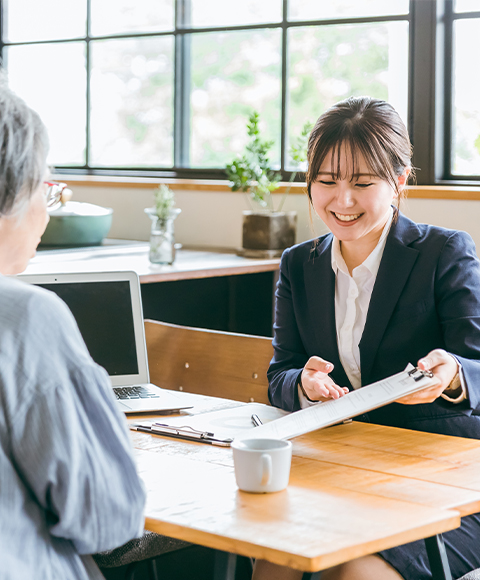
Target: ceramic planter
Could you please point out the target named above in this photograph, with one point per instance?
(267, 234)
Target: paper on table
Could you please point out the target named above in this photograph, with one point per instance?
(354, 403)
(226, 423)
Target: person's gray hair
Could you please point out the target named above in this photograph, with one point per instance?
(23, 151)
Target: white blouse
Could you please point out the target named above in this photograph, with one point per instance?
(352, 299)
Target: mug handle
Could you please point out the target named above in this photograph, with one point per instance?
(266, 465)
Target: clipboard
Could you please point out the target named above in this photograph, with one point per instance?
(217, 427)
(350, 405)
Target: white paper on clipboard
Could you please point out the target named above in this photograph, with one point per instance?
(351, 405)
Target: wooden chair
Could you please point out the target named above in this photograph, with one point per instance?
(208, 362)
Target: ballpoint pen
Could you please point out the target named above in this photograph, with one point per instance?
(256, 420)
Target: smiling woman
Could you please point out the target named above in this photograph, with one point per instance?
(359, 163)
(355, 204)
(358, 304)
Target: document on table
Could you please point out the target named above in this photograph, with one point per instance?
(220, 425)
(354, 403)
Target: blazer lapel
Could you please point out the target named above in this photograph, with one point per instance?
(320, 290)
(397, 263)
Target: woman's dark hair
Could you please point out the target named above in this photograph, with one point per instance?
(361, 126)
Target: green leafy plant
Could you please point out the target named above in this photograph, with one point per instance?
(251, 172)
(164, 199)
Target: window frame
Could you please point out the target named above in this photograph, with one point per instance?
(429, 93)
(444, 169)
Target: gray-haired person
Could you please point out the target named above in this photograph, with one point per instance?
(68, 485)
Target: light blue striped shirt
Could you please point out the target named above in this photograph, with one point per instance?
(68, 484)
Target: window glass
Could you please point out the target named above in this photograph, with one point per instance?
(323, 10)
(52, 80)
(228, 74)
(215, 13)
(124, 16)
(25, 20)
(132, 102)
(331, 63)
(467, 6)
(466, 102)
(232, 75)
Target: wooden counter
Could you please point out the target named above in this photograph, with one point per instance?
(117, 255)
(208, 289)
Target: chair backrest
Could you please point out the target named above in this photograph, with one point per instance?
(208, 362)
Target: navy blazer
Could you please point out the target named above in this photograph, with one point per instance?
(426, 296)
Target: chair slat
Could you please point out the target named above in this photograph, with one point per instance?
(208, 362)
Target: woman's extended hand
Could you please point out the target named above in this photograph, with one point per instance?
(316, 383)
(443, 366)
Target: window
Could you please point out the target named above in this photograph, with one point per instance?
(159, 85)
(165, 87)
(465, 154)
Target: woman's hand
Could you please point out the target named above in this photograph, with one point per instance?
(443, 366)
(316, 383)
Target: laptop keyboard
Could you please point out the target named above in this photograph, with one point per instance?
(135, 392)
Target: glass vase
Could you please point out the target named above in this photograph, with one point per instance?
(162, 236)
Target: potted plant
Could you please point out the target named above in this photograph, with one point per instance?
(162, 236)
(266, 231)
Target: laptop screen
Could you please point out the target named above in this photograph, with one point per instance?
(103, 311)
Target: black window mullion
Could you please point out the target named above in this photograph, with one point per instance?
(2, 31)
(284, 104)
(88, 73)
(181, 116)
(422, 92)
(444, 165)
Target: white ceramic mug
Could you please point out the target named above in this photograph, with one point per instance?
(262, 465)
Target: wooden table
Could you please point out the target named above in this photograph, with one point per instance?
(354, 489)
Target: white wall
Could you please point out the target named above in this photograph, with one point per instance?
(215, 218)
(448, 213)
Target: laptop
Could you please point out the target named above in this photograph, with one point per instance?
(108, 309)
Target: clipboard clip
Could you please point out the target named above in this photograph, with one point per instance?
(187, 432)
(182, 430)
(418, 374)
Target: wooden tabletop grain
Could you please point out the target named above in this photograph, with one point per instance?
(354, 489)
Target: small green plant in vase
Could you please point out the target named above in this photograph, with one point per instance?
(162, 235)
(164, 199)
